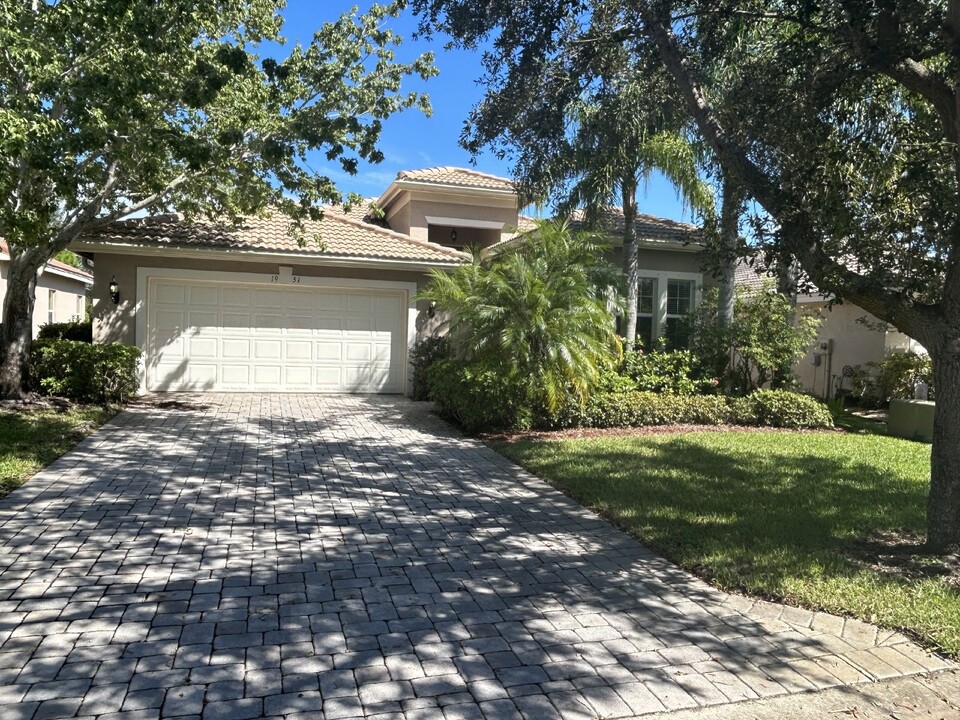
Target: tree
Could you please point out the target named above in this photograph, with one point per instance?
(538, 314)
(838, 118)
(763, 336)
(109, 108)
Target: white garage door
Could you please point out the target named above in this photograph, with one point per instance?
(213, 336)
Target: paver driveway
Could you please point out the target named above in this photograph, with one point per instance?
(237, 556)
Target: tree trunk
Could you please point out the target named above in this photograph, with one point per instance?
(631, 266)
(943, 502)
(787, 286)
(16, 336)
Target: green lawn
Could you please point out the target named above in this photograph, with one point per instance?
(33, 438)
(777, 514)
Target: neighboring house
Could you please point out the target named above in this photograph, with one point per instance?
(61, 291)
(848, 336)
(221, 309)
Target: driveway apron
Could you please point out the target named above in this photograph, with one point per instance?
(308, 556)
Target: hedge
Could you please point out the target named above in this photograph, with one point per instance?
(84, 372)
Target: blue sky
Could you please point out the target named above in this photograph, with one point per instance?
(412, 141)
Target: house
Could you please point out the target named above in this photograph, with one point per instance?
(61, 294)
(218, 308)
(848, 336)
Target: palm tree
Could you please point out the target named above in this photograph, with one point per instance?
(539, 314)
(623, 131)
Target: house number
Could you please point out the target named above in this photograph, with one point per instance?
(294, 279)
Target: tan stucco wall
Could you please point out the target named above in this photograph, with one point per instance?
(117, 323)
(69, 297)
(854, 343)
(661, 260)
(408, 213)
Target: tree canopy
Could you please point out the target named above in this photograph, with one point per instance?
(111, 107)
(838, 118)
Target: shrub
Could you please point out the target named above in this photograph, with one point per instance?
(79, 331)
(425, 353)
(85, 372)
(665, 372)
(637, 409)
(478, 398)
(781, 408)
(896, 376)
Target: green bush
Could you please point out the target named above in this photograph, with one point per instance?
(85, 372)
(781, 408)
(640, 408)
(663, 372)
(79, 331)
(896, 376)
(424, 354)
(478, 398)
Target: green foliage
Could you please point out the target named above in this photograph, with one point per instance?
(424, 354)
(85, 372)
(70, 258)
(538, 318)
(79, 331)
(781, 408)
(896, 376)
(765, 338)
(641, 408)
(664, 372)
(111, 108)
(478, 398)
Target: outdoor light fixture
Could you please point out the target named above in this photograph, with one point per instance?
(432, 310)
(453, 236)
(114, 291)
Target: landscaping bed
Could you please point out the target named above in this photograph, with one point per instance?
(824, 520)
(34, 435)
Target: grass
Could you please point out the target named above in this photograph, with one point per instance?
(776, 514)
(34, 437)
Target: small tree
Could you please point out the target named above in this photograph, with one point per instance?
(762, 338)
(538, 316)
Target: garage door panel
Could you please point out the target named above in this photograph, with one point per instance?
(209, 335)
(204, 295)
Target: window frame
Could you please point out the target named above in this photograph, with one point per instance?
(661, 279)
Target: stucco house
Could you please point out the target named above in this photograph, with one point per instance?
(61, 294)
(218, 309)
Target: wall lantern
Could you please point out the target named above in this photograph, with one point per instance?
(432, 309)
(453, 236)
(114, 291)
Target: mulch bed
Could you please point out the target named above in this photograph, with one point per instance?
(645, 431)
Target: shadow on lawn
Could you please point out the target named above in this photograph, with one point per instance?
(757, 511)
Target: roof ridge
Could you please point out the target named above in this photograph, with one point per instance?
(452, 168)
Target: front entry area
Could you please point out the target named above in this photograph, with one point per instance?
(274, 333)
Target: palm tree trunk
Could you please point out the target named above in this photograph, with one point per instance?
(631, 265)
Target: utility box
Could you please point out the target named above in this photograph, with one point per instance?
(911, 419)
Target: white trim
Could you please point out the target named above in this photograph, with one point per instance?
(262, 256)
(660, 298)
(145, 274)
(461, 222)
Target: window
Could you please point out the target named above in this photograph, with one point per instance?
(51, 306)
(647, 303)
(81, 308)
(679, 303)
(663, 302)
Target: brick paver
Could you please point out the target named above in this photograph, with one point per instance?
(241, 556)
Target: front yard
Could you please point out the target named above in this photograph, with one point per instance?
(31, 438)
(819, 519)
